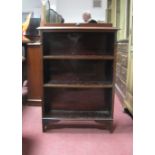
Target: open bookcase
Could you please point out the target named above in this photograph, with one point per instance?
(78, 75)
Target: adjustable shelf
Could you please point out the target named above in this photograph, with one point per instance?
(77, 115)
(78, 57)
(95, 72)
(50, 85)
(79, 52)
(78, 74)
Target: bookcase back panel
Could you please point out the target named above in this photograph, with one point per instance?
(78, 71)
(78, 99)
(81, 43)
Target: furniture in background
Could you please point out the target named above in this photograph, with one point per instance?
(77, 64)
(124, 75)
(24, 66)
(24, 71)
(32, 35)
(34, 52)
(120, 14)
(34, 73)
(129, 94)
(121, 69)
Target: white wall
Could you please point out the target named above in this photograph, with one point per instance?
(32, 6)
(72, 10)
(35, 6)
(53, 4)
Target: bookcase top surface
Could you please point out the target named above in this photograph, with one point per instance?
(77, 28)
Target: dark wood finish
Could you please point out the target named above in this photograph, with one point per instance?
(78, 99)
(33, 39)
(79, 57)
(78, 43)
(57, 124)
(34, 74)
(77, 29)
(24, 59)
(81, 72)
(121, 70)
(114, 79)
(78, 85)
(77, 115)
(78, 74)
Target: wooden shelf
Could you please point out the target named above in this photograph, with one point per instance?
(77, 82)
(78, 73)
(77, 115)
(79, 57)
(78, 85)
(77, 29)
(73, 51)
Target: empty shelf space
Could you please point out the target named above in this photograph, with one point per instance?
(78, 72)
(77, 115)
(78, 43)
(77, 99)
(72, 79)
(79, 57)
(76, 52)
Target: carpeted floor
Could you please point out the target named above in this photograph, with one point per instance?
(73, 141)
